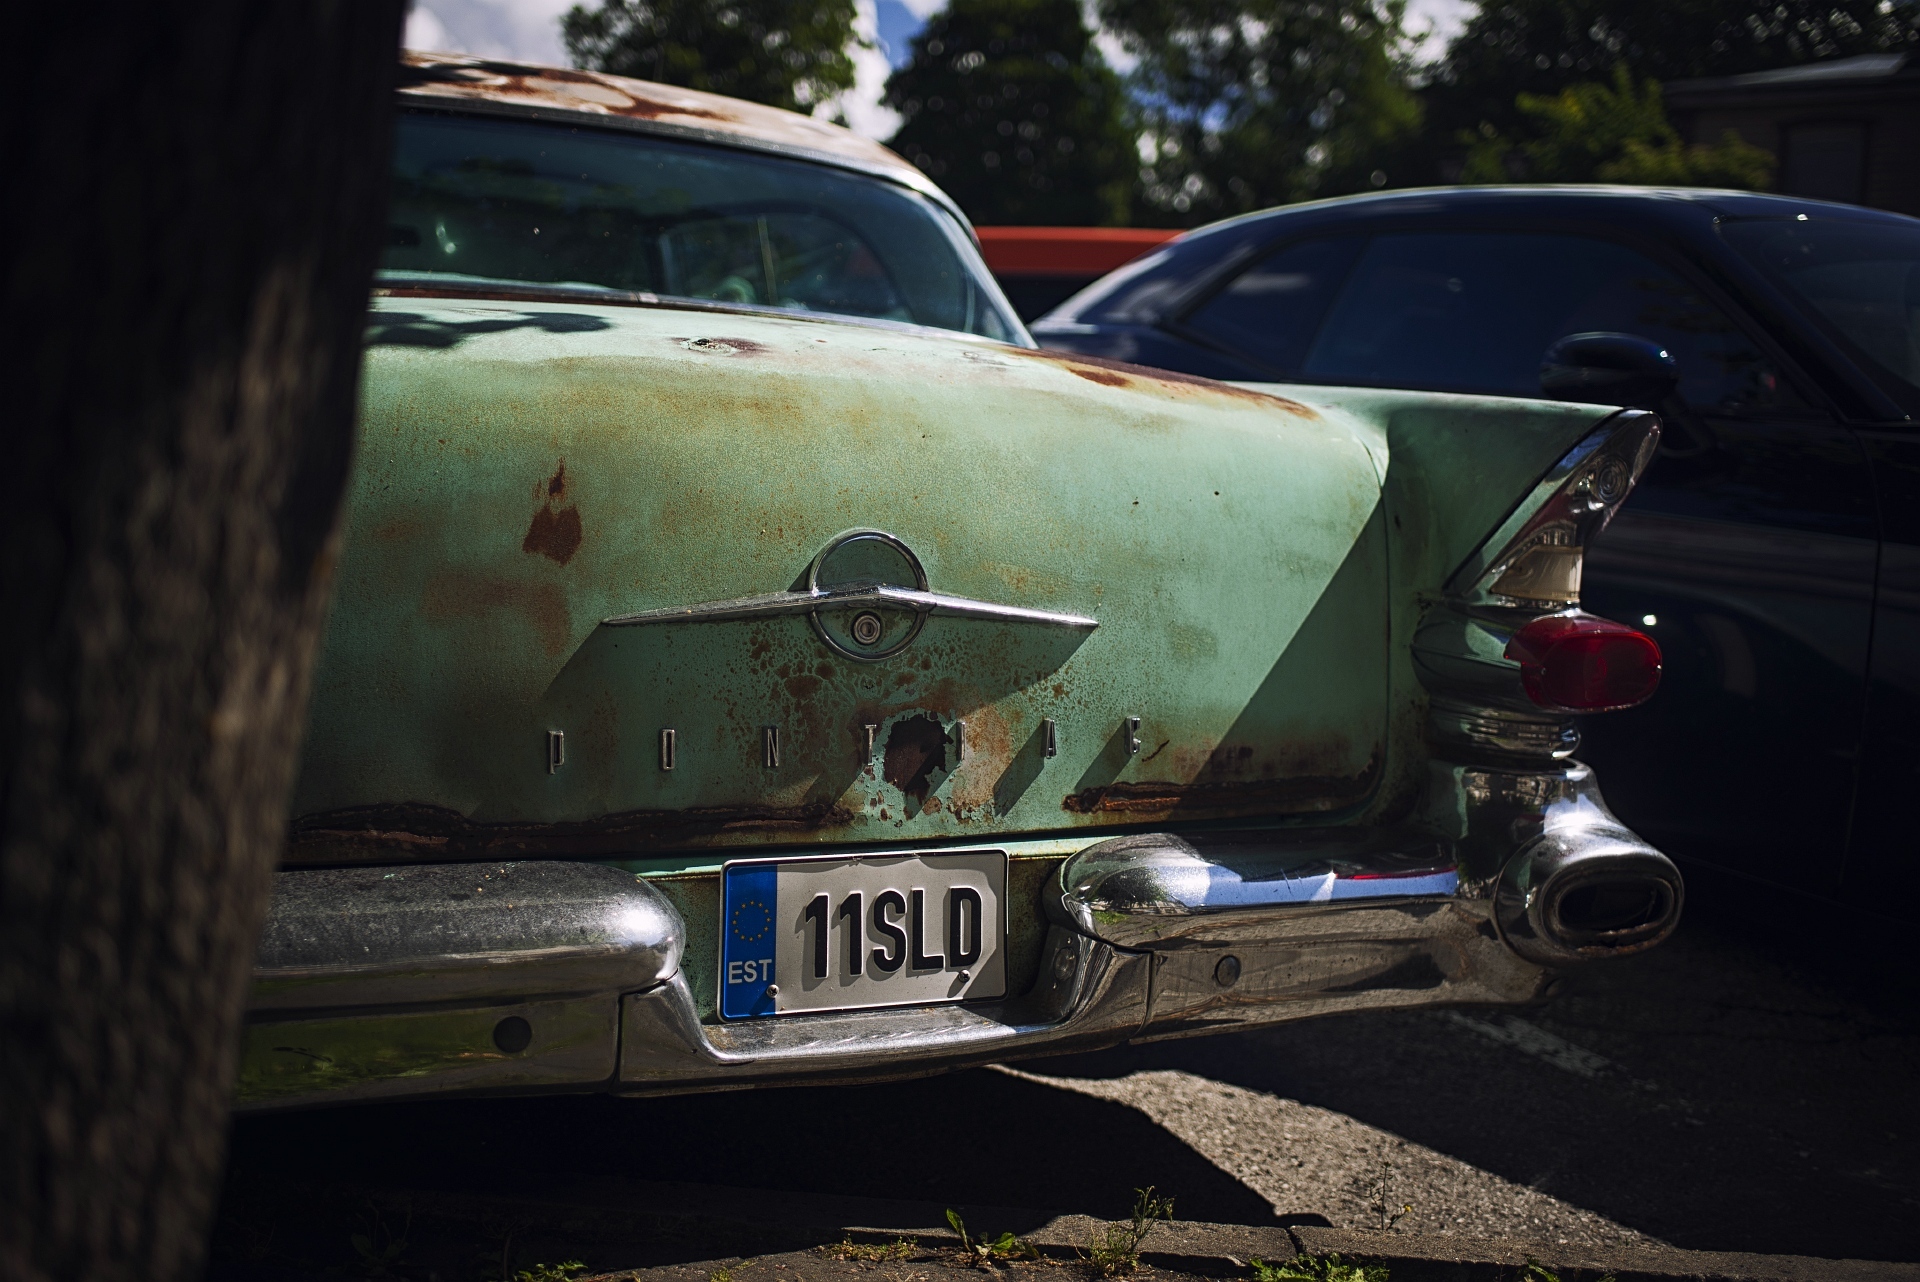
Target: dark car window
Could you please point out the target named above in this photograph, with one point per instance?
(1270, 311)
(1474, 312)
(1862, 278)
(504, 200)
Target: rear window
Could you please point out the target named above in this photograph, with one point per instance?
(1271, 310)
(479, 199)
(1863, 279)
(1475, 312)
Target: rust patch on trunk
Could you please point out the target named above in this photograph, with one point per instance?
(555, 532)
(1291, 793)
(916, 747)
(554, 535)
(1098, 369)
(412, 831)
(470, 596)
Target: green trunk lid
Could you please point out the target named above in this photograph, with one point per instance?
(528, 471)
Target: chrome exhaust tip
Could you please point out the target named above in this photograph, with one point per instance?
(1580, 894)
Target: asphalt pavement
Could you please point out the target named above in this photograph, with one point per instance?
(1714, 1094)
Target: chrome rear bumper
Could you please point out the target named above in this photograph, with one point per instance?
(540, 977)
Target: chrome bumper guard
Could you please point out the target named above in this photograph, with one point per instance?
(504, 978)
(373, 983)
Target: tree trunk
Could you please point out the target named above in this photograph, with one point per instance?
(193, 204)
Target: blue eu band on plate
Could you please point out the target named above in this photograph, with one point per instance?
(840, 933)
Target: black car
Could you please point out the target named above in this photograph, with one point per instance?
(1773, 547)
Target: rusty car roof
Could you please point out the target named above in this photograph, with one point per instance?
(591, 97)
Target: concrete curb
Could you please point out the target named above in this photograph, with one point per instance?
(755, 1221)
(1626, 1263)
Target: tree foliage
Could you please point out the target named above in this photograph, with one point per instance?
(1252, 103)
(786, 53)
(1010, 107)
(1610, 133)
(1511, 47)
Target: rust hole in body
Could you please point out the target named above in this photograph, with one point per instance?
(724, 346)
(916, 747)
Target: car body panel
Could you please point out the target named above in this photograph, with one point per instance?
(1753, 541)
(496, 523)
(1231, 545)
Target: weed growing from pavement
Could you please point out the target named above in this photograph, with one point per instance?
(982, 1252)
(720, 1275)
(1380, 1201)
(1317, 1268)
(1117, 1249)
(1534, 1271)
(378, 1247)
(899, 1249)
(550, 1272)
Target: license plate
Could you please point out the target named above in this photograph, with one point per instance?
(843, 932)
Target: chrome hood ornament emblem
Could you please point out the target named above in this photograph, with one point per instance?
(867, 597)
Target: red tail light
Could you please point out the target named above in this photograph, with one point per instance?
(1581, 663)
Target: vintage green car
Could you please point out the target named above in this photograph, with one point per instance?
(754, 662)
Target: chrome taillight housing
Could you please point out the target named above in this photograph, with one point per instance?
(1507, 654)
(1533, 561)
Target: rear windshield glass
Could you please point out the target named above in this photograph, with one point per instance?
(1861, 278)
(483, 199)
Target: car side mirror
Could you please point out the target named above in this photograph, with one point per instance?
(1608, 369)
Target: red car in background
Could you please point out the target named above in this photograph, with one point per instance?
(1042, 267)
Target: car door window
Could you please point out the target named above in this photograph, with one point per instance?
(1270, 311)
(1475, 311)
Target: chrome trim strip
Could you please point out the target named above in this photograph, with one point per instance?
(854, 596)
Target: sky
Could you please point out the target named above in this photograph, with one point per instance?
(529, 31)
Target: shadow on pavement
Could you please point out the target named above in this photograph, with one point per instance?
(1716, 1099)
(977, 1137)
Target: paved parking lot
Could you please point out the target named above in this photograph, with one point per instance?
(1708, 1095)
